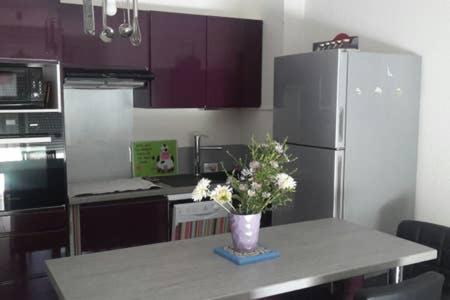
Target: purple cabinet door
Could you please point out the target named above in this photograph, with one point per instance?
(178, 59)
(30, 29)
(121, 224)
(234, 49)
(27, 239)
(81, 50)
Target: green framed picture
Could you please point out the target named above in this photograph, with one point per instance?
(155, 158)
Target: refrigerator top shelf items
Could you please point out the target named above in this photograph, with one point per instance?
(340, 41)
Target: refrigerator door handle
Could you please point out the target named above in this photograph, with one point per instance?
(341, 127)
(338, 185)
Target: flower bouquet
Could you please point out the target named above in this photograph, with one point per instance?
(252, 188)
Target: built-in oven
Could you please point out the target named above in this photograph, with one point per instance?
(21, 86)
(32, 161)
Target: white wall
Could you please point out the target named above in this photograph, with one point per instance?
(293, 31)
(417, 26)
(221, 126)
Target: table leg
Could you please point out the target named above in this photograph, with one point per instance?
(75, 240)
(396, 275)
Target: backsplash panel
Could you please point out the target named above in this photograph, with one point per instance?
(186, 157)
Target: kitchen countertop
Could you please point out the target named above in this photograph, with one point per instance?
(312, 253)
(164, 190)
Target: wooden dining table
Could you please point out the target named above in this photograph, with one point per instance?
(312, 253)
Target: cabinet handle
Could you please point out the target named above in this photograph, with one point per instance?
(18, 211)
(33, 140)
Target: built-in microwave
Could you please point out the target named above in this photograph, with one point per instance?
(21, 86)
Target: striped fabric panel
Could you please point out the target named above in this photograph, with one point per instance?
(219, 226)
(189, 230)
(199, 231)
(193, 229)
(178, 232)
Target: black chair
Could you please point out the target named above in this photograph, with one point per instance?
(427, 286)
(434, 236)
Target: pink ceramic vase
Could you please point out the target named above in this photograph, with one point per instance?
(245, 231)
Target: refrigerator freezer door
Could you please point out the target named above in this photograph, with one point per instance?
(381, 139)
(309, 103)
(319, 181)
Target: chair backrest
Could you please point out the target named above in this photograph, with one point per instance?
(431, 235)
(426, 286)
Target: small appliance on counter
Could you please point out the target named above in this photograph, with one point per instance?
(29, 86)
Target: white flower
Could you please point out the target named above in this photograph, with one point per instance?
(266, 195)
(246, 173)
(256, 186)
(286, 157)
(279, 148)
(254, 165)
(243, 187)
(274, 164)
(285, 182)
(201, 190)
(228, 182)
(251, 193)
(221, 194)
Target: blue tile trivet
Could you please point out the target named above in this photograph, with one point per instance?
(240, 258)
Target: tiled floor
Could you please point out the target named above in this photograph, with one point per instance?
(36, 289)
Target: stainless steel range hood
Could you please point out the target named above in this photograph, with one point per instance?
(99, 83)
(106, 79)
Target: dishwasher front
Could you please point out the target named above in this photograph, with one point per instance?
(196, 219)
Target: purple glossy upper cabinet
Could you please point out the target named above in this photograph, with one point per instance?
(234, 50)
(82, 50)
(30, 29)
(178, 59)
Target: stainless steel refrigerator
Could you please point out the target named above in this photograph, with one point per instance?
(351, 118)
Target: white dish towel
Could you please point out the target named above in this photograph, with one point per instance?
(110, 186)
